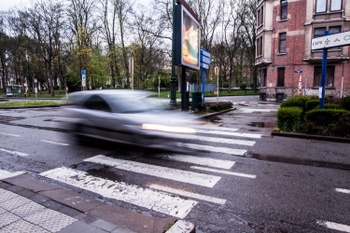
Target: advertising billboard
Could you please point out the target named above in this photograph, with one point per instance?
(187, 39)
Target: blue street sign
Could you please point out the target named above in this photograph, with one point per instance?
(205, 53)
(204, 66)
(298, 71)
(205, 60)
(83, 72)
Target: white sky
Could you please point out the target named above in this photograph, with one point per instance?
(5, 5)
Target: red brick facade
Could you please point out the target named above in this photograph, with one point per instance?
(284, 33)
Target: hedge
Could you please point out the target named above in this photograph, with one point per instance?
(289, 118)
(324, 117)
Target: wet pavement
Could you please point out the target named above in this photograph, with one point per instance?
(31, 205)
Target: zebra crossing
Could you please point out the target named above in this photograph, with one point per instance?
(202, 171)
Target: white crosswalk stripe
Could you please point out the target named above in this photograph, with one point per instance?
(216, 149)
(6, 174)
(147, 198)
(158, 171)
(202, 173)
(235, 134)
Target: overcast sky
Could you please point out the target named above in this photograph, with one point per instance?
(5, 5)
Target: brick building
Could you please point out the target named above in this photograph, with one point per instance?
(286, 63)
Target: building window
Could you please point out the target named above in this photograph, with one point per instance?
(329, 76)
(259, 45)
(331, 30)
(334, 5)
(284, 9)
(321, 6)
(280, 78)
(260, 16)
(282, 43)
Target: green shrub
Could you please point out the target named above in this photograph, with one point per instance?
(345, 103)
(331, 106)
(215, 107)
(297, 101)
(289, 118)
(324, 117)
(311, 104)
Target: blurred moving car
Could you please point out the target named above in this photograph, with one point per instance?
(128, 117)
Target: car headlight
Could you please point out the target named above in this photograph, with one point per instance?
(169, 129)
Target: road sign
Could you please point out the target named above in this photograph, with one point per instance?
(83, 78)
(329, 41)
(298, 71)
(205, 59)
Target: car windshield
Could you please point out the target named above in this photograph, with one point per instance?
(135, 104)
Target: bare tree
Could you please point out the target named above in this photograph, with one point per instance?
(44, 22)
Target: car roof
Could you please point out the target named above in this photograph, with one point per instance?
(82, 95)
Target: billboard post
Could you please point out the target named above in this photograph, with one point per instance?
(186, 44)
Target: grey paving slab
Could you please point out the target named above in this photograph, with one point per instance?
(7, 218)
(104, 225)
(79, 227)
(28, 209)
(6, 196)
(50, 220)
(15, 203)
(22, 226)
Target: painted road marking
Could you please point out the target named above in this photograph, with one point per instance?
(13, 152)
(219, 140)
(224, 172)
(144, 197)
(249, 110)
(245, 135)
(6, 174)
(55, 143)
(340, 190)
(217, 128)
(204, 161)
(334, 226)
(158, 171)
(224, 150)
(10, 134)
(188, 194)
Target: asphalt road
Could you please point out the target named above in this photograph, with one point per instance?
(235, 177)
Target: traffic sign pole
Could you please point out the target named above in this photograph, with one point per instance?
(324, 75)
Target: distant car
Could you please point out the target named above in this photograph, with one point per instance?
(128, 117)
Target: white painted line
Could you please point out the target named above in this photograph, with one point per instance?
(334, 226)
(10, 134)
(249, 110)
(340, 190)
(6, 174)
(224, 172)
(13, 152)
(158, 171)
(204, 161)
(188, 194)
(144, 197)
(55, 143)
(217, 128)
(181, 226)
(245, 135)
(219, 140)
(224, 150)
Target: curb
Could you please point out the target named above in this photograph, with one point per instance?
(311, 137)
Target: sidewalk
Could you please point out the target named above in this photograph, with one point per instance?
(30, 205)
